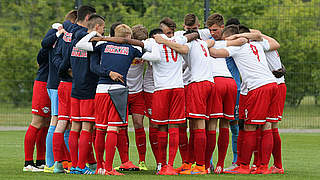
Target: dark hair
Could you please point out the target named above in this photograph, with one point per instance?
(154, 32)
(113, 27)
(243, 29)
(190, 31)
(168, 22)
(95, 19)
(233, 21)
(71, 16)
(83, 11)
(215, 19)
(139, 32)
(190, 19)
(230, 30)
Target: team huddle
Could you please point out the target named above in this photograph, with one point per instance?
(226, 76)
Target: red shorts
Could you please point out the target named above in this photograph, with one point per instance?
(224, 98)
(41, 104)
(64, 99)
(282, 90)
(242, 102)
(106, 112)
(82, 110)
(136, 103)
(199, 102)
(148, 103)
(168, 106)
(261, 105)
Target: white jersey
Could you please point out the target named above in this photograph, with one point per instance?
(186, 76)
(249, 59)
(219, 65)
(204, 33)
(148, 83)
(274, 63)
(135, 75)
(167, 72)
(199, 61)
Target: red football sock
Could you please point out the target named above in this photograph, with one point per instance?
(84, 146)
(200, 147)
(153, 138)
(223, 142)
(191, 157)
(276, 151)
(66, 153)
(266, 146)
(73, 147)
(29, 142)
(211, 144)
(173, 144)
(239, 145)
(100, 146)
(141, 143)
(183, 143)
(163, 143)
(123, 145)
(94, 134)
(248, 146)
(41, 143)
(257, 150)
(111, 143)
(57, 143)
(91, 158)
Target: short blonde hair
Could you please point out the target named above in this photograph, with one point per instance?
(122, 30)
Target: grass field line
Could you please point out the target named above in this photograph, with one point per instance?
(20, 128)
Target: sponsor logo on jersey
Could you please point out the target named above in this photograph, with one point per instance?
(76, 52)
(116, 49)
(67, 37)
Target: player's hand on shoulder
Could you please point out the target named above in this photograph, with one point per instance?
(159, 39)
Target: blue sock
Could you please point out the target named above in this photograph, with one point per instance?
(235, 131)
(66, 138)
(49, 150)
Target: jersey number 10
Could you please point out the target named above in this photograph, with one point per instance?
(174, 54)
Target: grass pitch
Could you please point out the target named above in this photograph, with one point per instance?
(301, 157)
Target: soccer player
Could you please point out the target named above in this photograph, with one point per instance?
(136, 103)
(40, 116)
(251, 61)
(111, 108)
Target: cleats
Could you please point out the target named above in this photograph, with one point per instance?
(93, 167)
(275, 170)
(113, 173)
(242, 169)
(159, 165)
(31, 168)
(85, 170)
(41, 167)
(100, 171)
(168, 170)
(231, 167)
(253, 169)
(218, 170)
(58, 167)
(142, 166)
(74, 171)
(195, 170)
(127, 166)
(48, 169)
(184, 167)
(263, 170)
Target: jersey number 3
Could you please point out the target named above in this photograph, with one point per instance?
(255, 51)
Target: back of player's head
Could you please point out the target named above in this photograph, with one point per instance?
(83, 11)
(139, 32)
(243, 29)
(191, 19)
(169, 23)
(113, 27)
(154, 32)
(71, 16)
(95, 19)
(233, 21)
(215, 19)
(230, 30)
(122, 30)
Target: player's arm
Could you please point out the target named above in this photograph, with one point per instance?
(251, 36)
(218, 53)
(51, 37)
(95, 66)
(192, 36)
(85, 43)
(183, 49)
(210, 43)
(43, 56)
(237, 42)
(154, 55)
(119, 40)
(274, 45)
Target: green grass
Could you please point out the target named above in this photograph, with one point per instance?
(300, 159)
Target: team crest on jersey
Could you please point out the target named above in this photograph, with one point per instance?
(116, 49)
(137, 61)
(67, 37)
(76, 52)
(45, 110)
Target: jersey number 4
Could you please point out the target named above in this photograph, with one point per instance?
(255, 51)
(174, 54)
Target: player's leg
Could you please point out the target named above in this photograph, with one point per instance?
(41, 144)
(223, 142)
(59, 145)
(140, 137)
(110, 146)
(211, 126)
(235, 129)
(163, 144)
